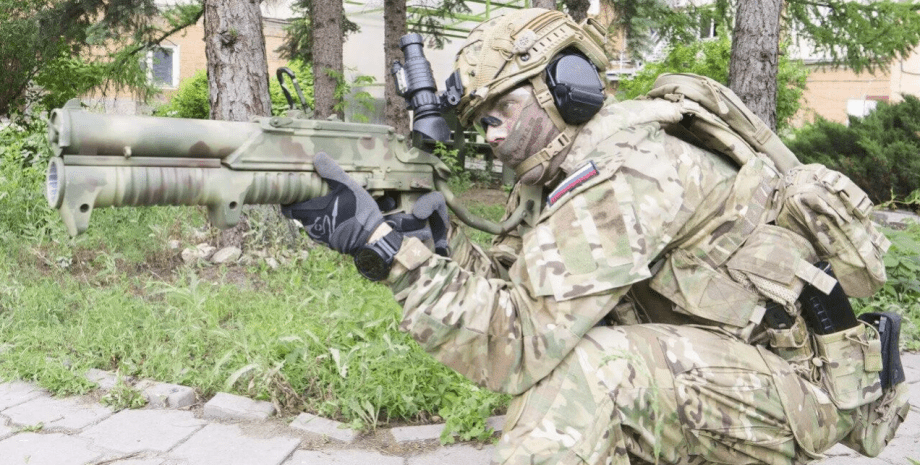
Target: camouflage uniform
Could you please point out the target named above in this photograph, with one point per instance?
(653, 229)
(598, 394)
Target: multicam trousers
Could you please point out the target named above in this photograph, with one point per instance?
(667, 394)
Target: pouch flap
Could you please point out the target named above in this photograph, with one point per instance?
(704, 292)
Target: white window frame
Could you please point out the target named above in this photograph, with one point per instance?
(861, 107)
(175, 66)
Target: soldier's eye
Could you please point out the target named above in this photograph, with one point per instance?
(487, 121)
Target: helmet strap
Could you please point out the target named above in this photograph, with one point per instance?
(545, 99)
(543, 157)
(565, 137)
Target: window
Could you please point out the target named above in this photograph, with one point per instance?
(862, 107)
(163, 66)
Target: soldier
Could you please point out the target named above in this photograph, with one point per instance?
(583, 315)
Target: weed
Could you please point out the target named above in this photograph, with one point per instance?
(31, 428)
(460, 180)
(123, 396)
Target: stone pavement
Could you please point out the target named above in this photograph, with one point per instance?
(38, 429)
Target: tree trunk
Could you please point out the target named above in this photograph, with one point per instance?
(327, 56)
(394, 23)
(238, 87)
(237, 65)
(754, 62)
(548, 4)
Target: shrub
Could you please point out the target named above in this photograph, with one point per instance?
(191, 100)
(710, 58)
(878, 152)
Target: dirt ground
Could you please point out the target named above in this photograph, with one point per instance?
(488, 196)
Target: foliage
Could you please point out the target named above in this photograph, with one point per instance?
(901, 293)
(460, 180)
(358, 101)
(191, 99)
(878, 152)
(66, 47)
(24, 212)
(643, 22)
(860, 35)
(710, 58)
(466, 412)
(429, 19)
(298, 43)
(123, 396)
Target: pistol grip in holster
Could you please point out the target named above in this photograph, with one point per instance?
(888, 325)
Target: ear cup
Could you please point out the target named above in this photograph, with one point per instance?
(576, 87)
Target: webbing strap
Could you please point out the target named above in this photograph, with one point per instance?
(544, 156)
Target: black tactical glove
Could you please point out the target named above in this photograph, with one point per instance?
(428, 220)
(344, 218)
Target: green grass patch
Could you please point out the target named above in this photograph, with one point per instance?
(308, 334)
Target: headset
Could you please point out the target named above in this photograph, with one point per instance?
(576, 88)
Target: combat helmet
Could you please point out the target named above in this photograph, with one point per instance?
(515, 48)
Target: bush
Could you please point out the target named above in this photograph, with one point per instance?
(191, 100)
(878, 152)
(710, 58)
(24, 212)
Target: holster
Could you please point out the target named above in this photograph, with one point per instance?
(889, 329)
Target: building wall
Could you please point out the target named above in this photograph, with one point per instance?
(828, 92)
(836, 93)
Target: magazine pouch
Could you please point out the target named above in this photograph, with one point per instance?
(849, 364)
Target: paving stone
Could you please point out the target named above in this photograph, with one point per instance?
(165, 395)
(105, 379)
(18, 392)
(497, 423)
(218, 444)
(417, 433)
(131, 431)
(342, 457)
(46, 449)
(230, 407)
(5, 431)
(136, 462)
(462, 454)
(323, 426)
(70, 413)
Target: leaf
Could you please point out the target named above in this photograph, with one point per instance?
(235, 376)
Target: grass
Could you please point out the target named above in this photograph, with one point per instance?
(308, 334)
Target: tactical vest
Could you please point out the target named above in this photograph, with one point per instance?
(794, 216)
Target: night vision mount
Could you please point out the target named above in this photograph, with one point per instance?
(415, 83)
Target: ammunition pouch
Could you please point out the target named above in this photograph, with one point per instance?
(876, 422)
(849, 363)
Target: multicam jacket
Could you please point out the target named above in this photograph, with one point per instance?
(633, 194)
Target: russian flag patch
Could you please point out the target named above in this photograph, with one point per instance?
(569, 184)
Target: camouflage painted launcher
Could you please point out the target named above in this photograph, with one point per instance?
(108, 160)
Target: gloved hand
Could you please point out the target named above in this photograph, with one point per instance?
(344, 218)
(428, 220)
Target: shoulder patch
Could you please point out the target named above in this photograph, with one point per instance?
(577, 177)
